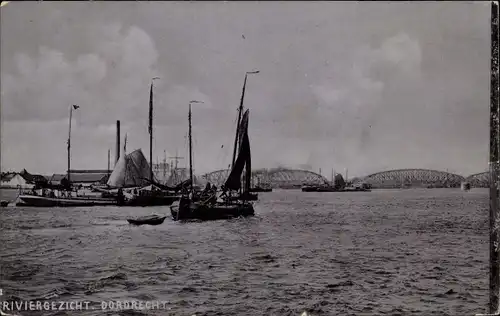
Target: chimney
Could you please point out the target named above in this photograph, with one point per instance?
(117, 156)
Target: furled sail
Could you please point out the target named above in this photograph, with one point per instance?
(130, 170)
(243, 160)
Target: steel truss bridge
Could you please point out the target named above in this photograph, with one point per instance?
(295, 178)
(278, 178)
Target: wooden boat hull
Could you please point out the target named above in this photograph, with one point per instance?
(4, 203)
(147, 221)
(186, 210)
(43, 201)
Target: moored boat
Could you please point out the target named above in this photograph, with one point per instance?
(226, 206)
(45, 201)
(133, 175)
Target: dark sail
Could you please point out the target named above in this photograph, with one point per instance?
(233, 182)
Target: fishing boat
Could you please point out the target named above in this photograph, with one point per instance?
(147, 220)
(62, 195)
(133, 175)
(225, 206)
(44, 201)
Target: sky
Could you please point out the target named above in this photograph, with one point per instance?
(365, 86)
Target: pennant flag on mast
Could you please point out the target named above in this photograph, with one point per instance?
(76, 106)
(150, 125)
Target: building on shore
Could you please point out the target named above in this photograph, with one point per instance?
(83, 178)
(23, 180)
(13, 181)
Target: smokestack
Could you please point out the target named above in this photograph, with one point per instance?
(117, 156)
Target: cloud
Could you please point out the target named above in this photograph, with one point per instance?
(111, 82)
(352, 102)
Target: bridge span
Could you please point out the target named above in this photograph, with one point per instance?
(295, 178)
(277, 177)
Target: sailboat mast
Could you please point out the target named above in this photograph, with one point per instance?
(151, 133)
(108, 161)
(69, 143)
(151, 130)
(74, 106)
(191, 146)
(240, 109)
(190, 150)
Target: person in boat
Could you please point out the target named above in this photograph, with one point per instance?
(225, 194)
(120, 196)
(208, 188)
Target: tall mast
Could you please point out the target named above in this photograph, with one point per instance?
(190, 150)
(74, 106)
(151, 133)
(190, 146)
(151, 130)
(108, 161)
(240, 110)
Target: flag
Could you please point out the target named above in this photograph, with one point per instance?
(75, 106)
(150, 125)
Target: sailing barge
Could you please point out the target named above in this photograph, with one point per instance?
(132, 182)
(66, 195)
(226, 206)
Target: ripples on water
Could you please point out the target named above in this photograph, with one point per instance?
(417, 252)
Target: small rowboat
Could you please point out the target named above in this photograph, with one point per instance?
(147, 220)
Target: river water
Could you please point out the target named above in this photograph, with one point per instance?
(394, 252)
